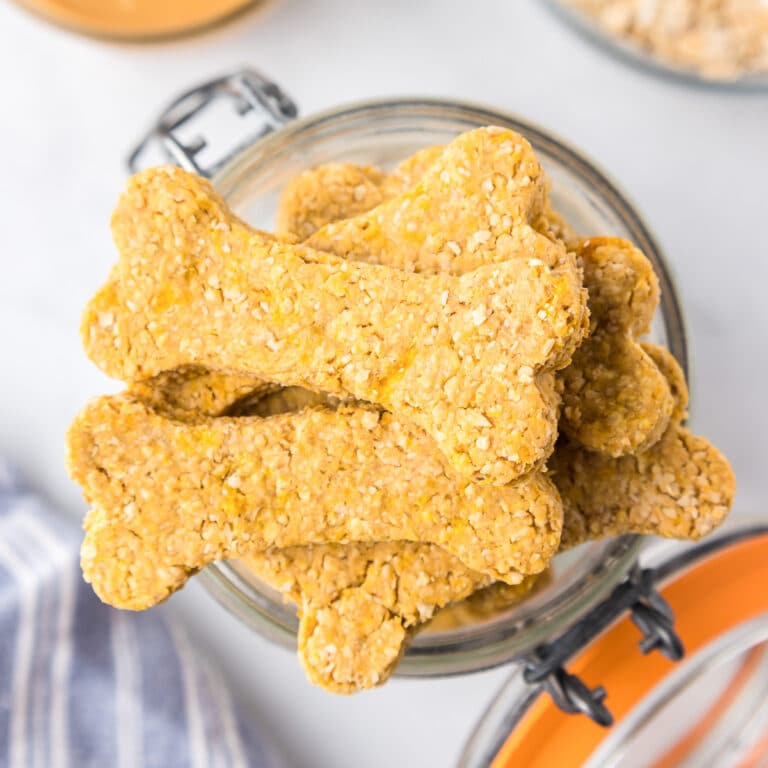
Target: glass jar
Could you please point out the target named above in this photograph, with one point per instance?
(382, 133)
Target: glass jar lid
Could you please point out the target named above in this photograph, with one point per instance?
(712, 709)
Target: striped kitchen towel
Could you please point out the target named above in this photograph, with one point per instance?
(82, 684)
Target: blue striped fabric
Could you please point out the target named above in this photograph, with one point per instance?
(82, 684)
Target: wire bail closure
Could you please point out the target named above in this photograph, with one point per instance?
(254, 97)
(649, 611)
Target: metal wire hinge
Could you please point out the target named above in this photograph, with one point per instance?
(651, 614)
(254, 98)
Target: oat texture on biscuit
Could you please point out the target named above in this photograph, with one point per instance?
(406, 175)
(334, 191)
(168, 497)
(681, 487)
(393, 587)
(615, 399)
(360, 603)
(467, 358)
(475, 203)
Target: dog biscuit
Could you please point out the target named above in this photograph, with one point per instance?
(455, 220)
(394, 586)
(334, 191)
(615, 398)
(467, 358)
(168, 497)
(681, 487)
(360, 603)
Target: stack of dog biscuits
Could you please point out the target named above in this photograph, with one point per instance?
(422, 386)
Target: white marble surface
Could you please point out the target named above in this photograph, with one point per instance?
(694, 160)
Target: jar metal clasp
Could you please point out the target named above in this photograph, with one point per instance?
(257, 100)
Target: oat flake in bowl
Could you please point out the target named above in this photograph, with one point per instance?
(712, 40)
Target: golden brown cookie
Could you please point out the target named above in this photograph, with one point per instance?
(468, 358)
(168, 497)
(472, 206)
(681, 487)
(334, 190)
(615, 398)
(360, 603)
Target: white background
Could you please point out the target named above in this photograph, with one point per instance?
(694, 160)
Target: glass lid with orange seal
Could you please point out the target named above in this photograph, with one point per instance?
(587, 698)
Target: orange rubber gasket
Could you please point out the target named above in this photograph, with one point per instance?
(139, 19)
(713, 596)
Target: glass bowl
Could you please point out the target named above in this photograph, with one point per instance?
(635, 54)
(382, 133)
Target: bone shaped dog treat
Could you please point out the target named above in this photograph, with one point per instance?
(168, 497)
(365, 598)
(331, 192)
(615, 398)
(335, 191)
(467, 358)
(453, 220)
(359, 603)
(681, 487)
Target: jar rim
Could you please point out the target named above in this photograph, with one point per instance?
(462, 652)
